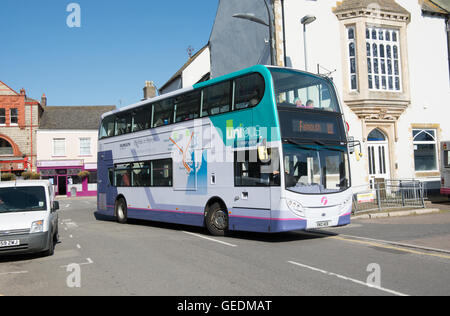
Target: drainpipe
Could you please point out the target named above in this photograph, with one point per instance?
(283, 15)
(31, 137)
(447, 25)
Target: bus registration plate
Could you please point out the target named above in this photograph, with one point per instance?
(323, 224)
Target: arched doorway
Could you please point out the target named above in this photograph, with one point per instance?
(378, 155)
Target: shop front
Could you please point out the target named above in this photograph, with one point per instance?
(14, 165)
(70, 177)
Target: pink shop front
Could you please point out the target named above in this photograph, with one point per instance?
(64, 175)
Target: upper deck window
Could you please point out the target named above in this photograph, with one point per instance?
(163, 112)
(303, 91)
(217, 99)
(235, 94)
(249, 91)
(187, 107)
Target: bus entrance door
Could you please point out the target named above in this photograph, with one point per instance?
(251, 193)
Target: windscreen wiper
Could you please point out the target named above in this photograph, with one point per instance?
(317, 142)
(299, 144)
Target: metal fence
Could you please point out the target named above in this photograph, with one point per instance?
(389, 194)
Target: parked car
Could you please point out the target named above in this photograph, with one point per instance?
(28, 217)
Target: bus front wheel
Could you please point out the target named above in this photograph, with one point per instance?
(121, 211)
(217, 220)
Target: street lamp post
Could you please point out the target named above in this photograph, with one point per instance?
(307, 19)
(253, 18)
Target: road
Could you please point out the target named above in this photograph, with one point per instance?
(102, 257)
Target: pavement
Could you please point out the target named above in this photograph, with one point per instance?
(423, 228)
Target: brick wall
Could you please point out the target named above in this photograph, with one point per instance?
(21, 136)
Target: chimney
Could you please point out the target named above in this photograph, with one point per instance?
(44, 100)
(22, 92)
(149, 90)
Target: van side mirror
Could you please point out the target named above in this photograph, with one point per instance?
(55, 206)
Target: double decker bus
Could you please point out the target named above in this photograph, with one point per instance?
(445, 168)
(263, 149)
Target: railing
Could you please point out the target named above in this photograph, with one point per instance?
(389, 194)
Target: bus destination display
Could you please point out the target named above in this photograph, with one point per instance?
(307, 125)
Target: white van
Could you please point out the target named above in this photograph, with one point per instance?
(28, 217)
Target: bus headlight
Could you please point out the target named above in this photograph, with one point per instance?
(295, 207)
(37, 227)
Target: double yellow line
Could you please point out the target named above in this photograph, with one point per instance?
(384, 244)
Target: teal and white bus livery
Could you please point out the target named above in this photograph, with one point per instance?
(263, 149)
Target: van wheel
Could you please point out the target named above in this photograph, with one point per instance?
(217, 220)
(121, 211)
(51, 250)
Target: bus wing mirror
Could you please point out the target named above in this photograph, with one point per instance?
(351, 146)
(352, 143)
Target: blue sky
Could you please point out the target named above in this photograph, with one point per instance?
(119, 46)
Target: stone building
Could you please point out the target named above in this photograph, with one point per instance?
(389, 60)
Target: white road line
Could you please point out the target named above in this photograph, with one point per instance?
(78, 246)
(89, 261)
(210, 239)
(348, 279)
(18, 272)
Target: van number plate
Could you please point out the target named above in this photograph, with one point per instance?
(9, 243)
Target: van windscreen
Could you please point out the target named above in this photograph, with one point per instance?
(22, 199)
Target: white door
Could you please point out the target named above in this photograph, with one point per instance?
(378, 156)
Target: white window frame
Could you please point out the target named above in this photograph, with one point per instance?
(395, 62)
(4, 117)
(85, 150)
(57, 152)
(352, 41)
(434, 142)
(11, 116)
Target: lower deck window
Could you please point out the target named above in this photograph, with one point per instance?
(155, 173)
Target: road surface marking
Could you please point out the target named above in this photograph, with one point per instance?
(78, 246)
(348, 279)
(399, 244)
(89, 261)
(18, 272)
(386, 244)
(380, 244)
(210, 239)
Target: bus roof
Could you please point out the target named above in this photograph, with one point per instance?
(257, 68)
(263, 69)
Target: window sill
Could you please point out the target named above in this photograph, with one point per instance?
(421, 174)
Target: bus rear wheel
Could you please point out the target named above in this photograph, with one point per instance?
(121, 211)
(217, 220)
